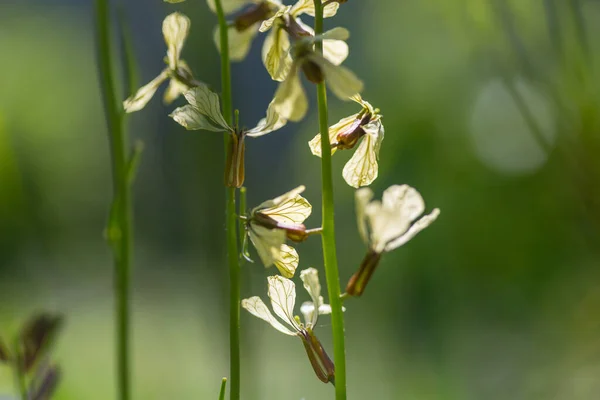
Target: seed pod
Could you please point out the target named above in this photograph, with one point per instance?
(358, 282)
(234, 166)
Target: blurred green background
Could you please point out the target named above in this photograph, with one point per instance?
(491, 110)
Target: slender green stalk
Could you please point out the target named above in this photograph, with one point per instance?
(242, 213)
(232, 245)
(19, 371)
(120, 224)
(328, 234)
(222, 391)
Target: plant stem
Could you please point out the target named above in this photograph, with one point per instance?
(222, 391)
(18, 366)
(120, 224)
(232, 245)
(328, 235)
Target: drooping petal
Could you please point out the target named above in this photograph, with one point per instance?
(270, 123)
(275, 54)
(258, 308)
(239, 42)
(174, 90)
(362, 169)
(417, 227)
(340, 126)
(287, 208)
(175, 29)
(267, 243)
(342, 82)
(189, 117)
(290, 99)
(144, 94)
(405, 200)
(288, 262)
(310, 278)
(207, 103)
(268, 23)
(308, 7)
(362, 197)
(337, 33)
(282, 293)
(229, 6)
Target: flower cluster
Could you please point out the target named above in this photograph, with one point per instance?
(292, 49)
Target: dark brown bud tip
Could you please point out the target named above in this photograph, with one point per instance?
(350, 136)
(4, 355)
(294, 232)
(234, 165)
(255, 14)
(37, 336)
(313, 72)
(48, 384)
(358, 282)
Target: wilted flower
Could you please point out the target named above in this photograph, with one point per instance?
(175, 30)
(272, 222)
(203, 113)
(282, 293)
(362, 168)
(290, 99)
(385, 226)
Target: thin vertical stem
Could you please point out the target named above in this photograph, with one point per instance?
(328, 235)
(222, 391)
(232, 245)
(19, 371)
(120, 228)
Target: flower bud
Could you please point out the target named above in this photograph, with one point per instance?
(255, 14)
(348, 138)
(320, 361)
(295, 30)
(358, 281)
(313, 72)
(234, 165)
(294, 232)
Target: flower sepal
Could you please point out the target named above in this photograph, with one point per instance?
(358, 282)
(319, 360)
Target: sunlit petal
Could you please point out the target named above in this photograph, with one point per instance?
(270, 123)
(258, 308)
(282, 293)
(342, 82)
(189, 117)
(308, 7)
(207, 103)
(335, 51)
(174, 90)
(175, 29)
(239, 42)
(275, 54)
(310, 279)
(417, 227)
(144, 94)
(334, 130)
(405, 200)
(267, 243)
(267, 24)
(288, 262)
(287, 208)
(290, 99)
(362, 197)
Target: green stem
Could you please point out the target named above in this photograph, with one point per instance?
(222, 391)
(121, 233)
(19, 370)
(328, 235)
(232, 245)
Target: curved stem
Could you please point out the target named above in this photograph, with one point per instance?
(232, 238)
(328, 235)
(120, 224)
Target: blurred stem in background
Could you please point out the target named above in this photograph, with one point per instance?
(119, 229)
(328, 235)
(231, 217)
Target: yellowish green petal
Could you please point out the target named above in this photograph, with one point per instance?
(174, 90)
(239, 42)
(144, 94)
(362, 169)
(267, 243)
(275, 54)
(287, 208)
(308, 7)
(310, 279)
(288, 262)
(267, 24)
(191, 119)
(207, 104)
(334, 130)
(270, 123)
(335, 51)
(255, 306)
(362, 197)
(282, 293)
(175, 29)
(290, 100)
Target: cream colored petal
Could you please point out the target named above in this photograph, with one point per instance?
(175, 29)
(229, 6)
(188, 117)
(282, 293)
(290, 99)
(417, 227)
(267, 243)
(174, 90)
(405, 200)
(267, 24)
(174, 1)
(308, 7)
(144, 94)
(362, 197)
(288, 262)
(334, 130)
(273, 203)
(255, 306)
(270, 123)
(362, 169)
(337, 33)
(239, 42)
(207, 103)
(310, 279)
(293, 210)
(335, 51)
(275, 54)
(342, 82)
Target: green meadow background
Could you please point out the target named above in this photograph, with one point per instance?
(491, 110)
